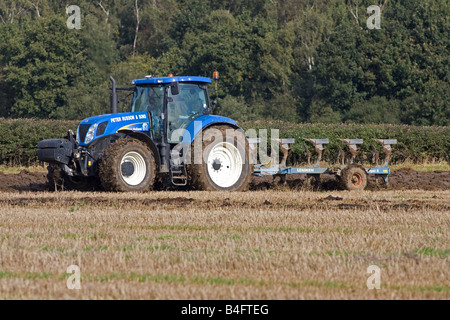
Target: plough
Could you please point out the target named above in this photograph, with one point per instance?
(352, 175)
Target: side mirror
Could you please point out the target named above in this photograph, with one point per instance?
(174, 88)
(213, 106)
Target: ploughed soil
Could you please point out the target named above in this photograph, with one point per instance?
(23, 181)
(402, 179)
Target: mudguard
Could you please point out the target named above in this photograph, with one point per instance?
(203, 122)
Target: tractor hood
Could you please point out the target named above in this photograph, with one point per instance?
(106, 124)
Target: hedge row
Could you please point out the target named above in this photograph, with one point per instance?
(414, 144)
(19, 138)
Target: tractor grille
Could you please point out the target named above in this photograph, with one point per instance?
(101, 128)
(83, 129)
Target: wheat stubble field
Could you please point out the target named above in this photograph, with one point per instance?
(278, 244)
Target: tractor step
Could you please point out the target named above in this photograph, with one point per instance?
(178, 175)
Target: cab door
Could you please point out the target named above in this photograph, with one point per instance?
(184, 108)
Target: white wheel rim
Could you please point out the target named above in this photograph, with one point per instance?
(140, 169)
(224, 164)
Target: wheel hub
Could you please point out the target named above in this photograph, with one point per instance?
(216, 164)
(356, 179)
(133, 168)
(127, 169)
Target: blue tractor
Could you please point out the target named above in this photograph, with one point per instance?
(157, 142)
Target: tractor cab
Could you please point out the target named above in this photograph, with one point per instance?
(180, 100)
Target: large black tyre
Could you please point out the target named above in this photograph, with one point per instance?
(353, 178)
(127, 165)
(225, 163)
(59, 181)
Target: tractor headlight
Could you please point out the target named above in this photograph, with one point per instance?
(90, 134)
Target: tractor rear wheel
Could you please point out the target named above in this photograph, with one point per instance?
(127, 165)
(58, 180)
(225, 162)
(353, 178)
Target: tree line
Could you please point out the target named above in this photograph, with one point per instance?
(291, 60)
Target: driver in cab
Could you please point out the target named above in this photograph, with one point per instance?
(178, 111)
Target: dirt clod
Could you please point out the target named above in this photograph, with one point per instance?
(331, 198)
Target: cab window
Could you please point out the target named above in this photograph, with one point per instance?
(184, 108)
(150, 99)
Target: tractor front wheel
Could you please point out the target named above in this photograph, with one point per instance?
(127, 165)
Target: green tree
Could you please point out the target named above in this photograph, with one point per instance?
(405, 63)
(42, 58)
(311, 60)
(223, 44)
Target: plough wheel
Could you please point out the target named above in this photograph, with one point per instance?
(354, 178)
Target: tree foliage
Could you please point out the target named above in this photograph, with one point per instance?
(303, 61)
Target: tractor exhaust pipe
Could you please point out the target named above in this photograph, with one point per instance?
(114, 103)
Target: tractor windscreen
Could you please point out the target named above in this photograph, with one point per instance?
(148, 99)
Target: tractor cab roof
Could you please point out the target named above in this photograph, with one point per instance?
(165, 80)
